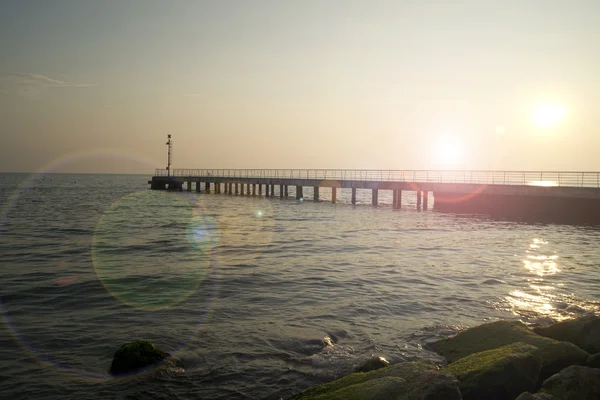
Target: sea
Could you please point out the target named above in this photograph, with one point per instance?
(258, 298)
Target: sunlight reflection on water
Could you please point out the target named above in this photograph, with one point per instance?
(538, 297)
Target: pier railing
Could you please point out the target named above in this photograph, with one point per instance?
(528, 178)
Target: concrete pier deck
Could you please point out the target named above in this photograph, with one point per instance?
(572, 197)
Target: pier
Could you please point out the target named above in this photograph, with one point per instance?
(571, 197)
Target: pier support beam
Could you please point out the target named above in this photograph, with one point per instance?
(375, 197)
(207, 187)
(419, 199)
(188, 185)
(425, 199)
(333, 194)
(272, 190)
(237, 189)
(254, 189)
(353, 196)
(198, 186)
(281, 191)
(267, 187)
(316, 193)
(286, 191)
(397, 199)
(299, 195)
(260, 189)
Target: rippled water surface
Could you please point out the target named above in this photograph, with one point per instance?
(244, 290)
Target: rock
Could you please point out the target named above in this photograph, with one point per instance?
(433, 385)
(408, 380)
(136, 355)
(498, 374)
(583, 332)
(372, 364)
(375, 389)
(536, 396)
(555, 355)
(594, 361)
(486, 337)
(574, 383)
(560, 355)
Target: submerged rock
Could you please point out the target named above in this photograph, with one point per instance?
(498, 374)
(555, 355)
(583, 332)
(409, 380)
(136, 355)
(372, 364)
(574, 383)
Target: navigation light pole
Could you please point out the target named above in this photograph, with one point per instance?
(170, 144)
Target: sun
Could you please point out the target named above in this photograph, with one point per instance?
(448, 152)
(548, 115)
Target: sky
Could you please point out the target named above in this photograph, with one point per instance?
(95, 86)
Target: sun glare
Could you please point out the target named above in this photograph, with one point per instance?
(548, 115)
(448, 152)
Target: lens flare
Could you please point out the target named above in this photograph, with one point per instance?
(69, 276)
(137, 249)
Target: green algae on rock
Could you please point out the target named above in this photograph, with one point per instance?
(498, 374)
(408, 380)
(136, 355)
(574, 383)
(583, 332)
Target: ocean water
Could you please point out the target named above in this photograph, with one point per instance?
(245, 291)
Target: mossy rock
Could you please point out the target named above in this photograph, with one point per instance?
(372, 364)
(560, 355)
(574, 383)
(136, 355)
(432, 385)
(594, 361)
(409, 378)
(498, 374)
(555, 355)
(415, 385)
(583, 332)
(486, 337)
(385, 388)
(535, 396)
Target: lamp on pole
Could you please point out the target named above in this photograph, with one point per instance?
(170, 144)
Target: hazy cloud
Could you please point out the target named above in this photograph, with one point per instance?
(193, 94)
(36, 79)
(31, 86)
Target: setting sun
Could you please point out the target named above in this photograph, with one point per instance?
(548, 115)
(448, 152)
